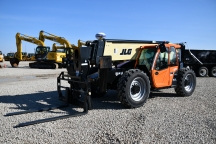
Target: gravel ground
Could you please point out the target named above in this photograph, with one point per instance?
(165, 118)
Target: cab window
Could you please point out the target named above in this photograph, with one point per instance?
(173, 56)
(162, 60)
(147, 57)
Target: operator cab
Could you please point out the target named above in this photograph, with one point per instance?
(10, 54)
(164, 64)
(41, 52)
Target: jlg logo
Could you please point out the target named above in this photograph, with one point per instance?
(126, 52)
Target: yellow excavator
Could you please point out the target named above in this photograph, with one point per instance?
(40, 53)
(31, 57)
(54, 57)
(58, 56)
(8, 56)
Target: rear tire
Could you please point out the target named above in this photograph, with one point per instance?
(203, 72)
(186, 82)
(133, 88)
(212, 73)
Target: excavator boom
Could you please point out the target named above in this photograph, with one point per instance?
(54, 58)
(55, 38)
(18, 55)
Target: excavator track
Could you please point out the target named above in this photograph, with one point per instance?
(43, 65)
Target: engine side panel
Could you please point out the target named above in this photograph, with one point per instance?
(123, 51)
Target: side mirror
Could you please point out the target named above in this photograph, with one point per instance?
(162, 47)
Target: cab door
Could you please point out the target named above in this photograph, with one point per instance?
(165, 65)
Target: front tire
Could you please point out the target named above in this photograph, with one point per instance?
(186, 82)
(133, 88)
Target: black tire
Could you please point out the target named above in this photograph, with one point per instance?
(133, 88)
(186, 82)
(202, 72)
(212, 73)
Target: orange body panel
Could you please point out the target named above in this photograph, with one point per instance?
(164, 77)
(160, 78)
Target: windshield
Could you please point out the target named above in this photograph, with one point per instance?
(147, 57)
(0, 53)
(10, 54)
(42, 50)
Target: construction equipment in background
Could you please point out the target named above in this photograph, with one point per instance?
(67, 51)
(61, 54)
(132, 67)
(8, 56)
(56, 57)
(52, 37)
(40, 53)
(206, 57)
(31, 57)
(1, 57)
(24, 56)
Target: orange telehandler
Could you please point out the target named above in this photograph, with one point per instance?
(133, 68)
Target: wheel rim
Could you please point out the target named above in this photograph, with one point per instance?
(137, 89)
(203, 72)
(189, 82)
(214, 72)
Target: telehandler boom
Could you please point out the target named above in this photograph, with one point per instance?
(132, 67)
(41, 49)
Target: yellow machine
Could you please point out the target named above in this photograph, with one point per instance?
(31, 57)
(24, 56)
(54, 57)
(57, 54)
(41, 50)
(1, 57)
(8, 56)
